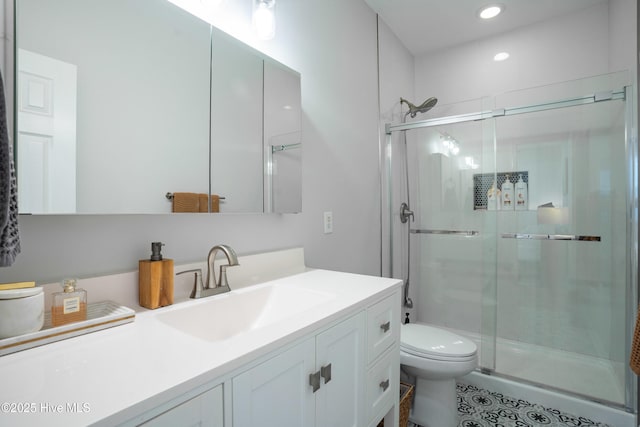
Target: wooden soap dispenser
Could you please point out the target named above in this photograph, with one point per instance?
(155, 279)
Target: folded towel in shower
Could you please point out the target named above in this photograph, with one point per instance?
(9, 236)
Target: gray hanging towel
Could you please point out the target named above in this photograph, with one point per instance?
(9, 237)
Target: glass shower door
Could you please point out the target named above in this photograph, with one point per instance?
(453, 245)
(562, 259)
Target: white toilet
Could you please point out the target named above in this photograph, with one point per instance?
(436, 358)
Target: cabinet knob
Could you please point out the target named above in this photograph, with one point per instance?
(325, 372)
(384, 385)
(385, 326)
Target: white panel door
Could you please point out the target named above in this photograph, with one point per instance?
(340, 399)
(277, 393)
(46, 149)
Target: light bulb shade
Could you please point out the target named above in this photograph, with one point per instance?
(264, 19)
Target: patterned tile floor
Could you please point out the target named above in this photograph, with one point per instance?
(482, 408)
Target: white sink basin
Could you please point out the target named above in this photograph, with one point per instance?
(227, 315)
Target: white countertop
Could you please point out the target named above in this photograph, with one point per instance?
(110, 376)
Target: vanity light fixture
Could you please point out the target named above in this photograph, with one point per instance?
(490, 11)
(501, 56)
(264, 18)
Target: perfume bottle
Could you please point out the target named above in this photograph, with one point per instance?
(70, 305)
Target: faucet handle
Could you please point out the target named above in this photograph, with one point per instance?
(222, 281)
(197, 282)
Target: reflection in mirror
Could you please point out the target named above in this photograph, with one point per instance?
(283, 181)
(255, 107)
(236, 124)
(111, 108)
(114, 111)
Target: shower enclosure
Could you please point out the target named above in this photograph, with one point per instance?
(548, 288)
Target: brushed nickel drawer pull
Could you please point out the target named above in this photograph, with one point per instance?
(385, 326)
(385, 385)
(325, 372)
(314, 381)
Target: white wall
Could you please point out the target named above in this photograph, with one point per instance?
(333, 45)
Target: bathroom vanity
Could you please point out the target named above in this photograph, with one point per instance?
(320, 348)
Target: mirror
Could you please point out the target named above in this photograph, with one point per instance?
(120, 104)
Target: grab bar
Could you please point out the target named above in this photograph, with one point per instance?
(448, 232)
(574, 237)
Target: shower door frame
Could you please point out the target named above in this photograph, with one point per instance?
(631, 151)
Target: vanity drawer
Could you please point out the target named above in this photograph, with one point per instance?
(383, 327)
(383, 382)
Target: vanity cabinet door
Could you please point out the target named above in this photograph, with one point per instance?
(340, 358)
(204, 410)
(277, 393)
(280, 393)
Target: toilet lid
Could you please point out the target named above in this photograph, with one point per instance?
(428, 340)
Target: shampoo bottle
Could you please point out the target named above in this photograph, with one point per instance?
(70, 305)
(507, 194)
(155, 279)
(522, 196)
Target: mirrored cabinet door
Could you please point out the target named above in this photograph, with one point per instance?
(117, 118)
(282, 138)
(236, 125)
(111, 117)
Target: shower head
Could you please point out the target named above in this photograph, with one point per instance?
(422, 108)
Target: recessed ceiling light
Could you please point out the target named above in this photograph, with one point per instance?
(490, 11)
(501, 56)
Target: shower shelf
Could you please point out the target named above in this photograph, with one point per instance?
(448, 232)
(551, 237)
(482, 182)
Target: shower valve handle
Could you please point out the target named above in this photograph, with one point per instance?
(405, 213)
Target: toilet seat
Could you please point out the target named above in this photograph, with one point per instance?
(435, 343)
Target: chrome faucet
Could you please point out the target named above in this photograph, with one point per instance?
(214, 286)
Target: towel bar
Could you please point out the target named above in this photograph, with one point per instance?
(169, 196)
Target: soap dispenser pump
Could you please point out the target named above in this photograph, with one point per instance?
(155, 279)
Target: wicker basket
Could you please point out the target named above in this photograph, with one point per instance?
(634, 359)
(406, 395)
